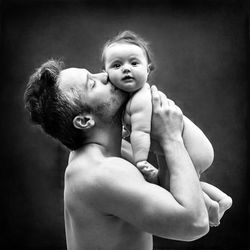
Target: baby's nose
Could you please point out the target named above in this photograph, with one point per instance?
(126, 68)
(103, 77)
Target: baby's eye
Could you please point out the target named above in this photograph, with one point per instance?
(134, 63)
(117, 65)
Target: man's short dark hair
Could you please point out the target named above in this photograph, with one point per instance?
(50, 108)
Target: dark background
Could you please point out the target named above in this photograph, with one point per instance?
(201, 53)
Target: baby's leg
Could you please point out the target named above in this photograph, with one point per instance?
(213, 195)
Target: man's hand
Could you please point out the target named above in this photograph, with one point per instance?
(215, 208)
(167, 118)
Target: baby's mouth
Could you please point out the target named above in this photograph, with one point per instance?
(127, 77)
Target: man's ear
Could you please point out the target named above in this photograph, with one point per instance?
(83, 122)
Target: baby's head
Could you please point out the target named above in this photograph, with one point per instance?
(127, 60)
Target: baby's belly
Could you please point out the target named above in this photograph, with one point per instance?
(107, 233)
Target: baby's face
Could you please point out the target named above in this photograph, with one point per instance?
(127, 66)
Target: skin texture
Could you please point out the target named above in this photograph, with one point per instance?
(125, 59)
(108, 203)
(137, 119)
(122, 60)
(127, 67)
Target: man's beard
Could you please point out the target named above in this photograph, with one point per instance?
(112, 111)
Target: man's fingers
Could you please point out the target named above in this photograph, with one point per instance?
(159, 99)
(171, 102)
(156, 100)
(165, 100)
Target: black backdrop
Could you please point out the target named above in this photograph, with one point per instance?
(200, 49)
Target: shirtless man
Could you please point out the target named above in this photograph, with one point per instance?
(108, 203)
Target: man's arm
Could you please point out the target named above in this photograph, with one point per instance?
(167, 127)
(197, 144)
(201, 153)
(120, 190)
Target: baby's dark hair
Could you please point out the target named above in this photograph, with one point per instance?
(50, 108)
(128, 36)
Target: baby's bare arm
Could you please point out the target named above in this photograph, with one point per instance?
(139, 111)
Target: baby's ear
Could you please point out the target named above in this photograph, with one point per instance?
(148, 71)
(149, 68)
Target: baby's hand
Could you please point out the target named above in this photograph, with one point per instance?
(149, 172)
(125, 132)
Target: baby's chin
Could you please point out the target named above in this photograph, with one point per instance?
(128, 87)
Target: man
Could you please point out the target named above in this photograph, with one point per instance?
(108, 203)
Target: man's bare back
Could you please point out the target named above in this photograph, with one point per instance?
(86, 226)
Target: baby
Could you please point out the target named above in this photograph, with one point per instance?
(127, 60)
(128, 64)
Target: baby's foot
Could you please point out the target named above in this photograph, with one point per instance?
(214, 214)
(216, 210)
(149, 172)
(225, 204)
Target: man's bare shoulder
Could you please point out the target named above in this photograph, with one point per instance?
(113, 172)
(91, 179)
(117, 165)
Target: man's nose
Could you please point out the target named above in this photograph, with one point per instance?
(102, 77)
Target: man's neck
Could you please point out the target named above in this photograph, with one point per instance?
(108, 141)
(105, 142)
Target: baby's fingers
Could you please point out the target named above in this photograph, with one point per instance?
(149, 172)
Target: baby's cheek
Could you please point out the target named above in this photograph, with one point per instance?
(113, 78)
